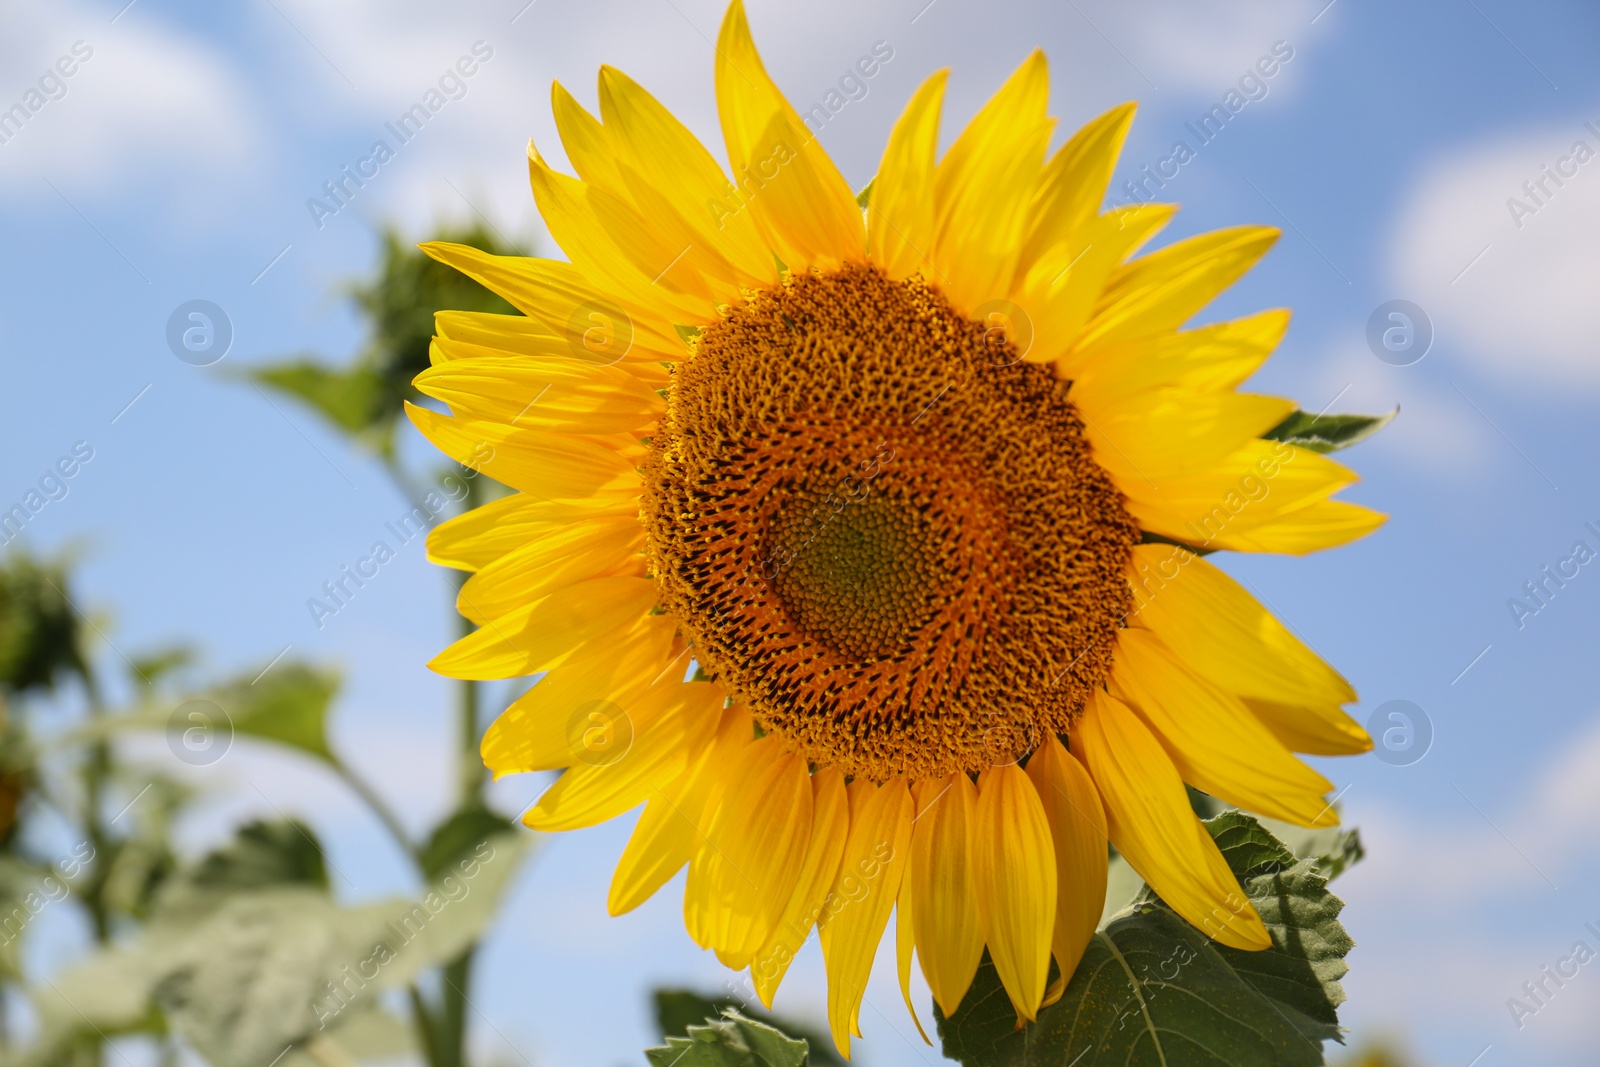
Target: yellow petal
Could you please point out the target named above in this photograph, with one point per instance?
(1318, 525)
(1171, 433)
(1073, 184)
(1062, 288)
(1151, 824)
(667, 265)
(739, 885)
(537, 732)
(604, 546)
(1163, 290)
(1078, 833)
(1217, 745)
(948, 935)
(1014, 871)
(543, 465)
(476, 539)
(566, 395)
(1268, 496)
(1224, 634)
(479, 537)
(662, 151)
(984, 186)
(811, 899)
(904, 946)
(867, 884)
(669, 830)
(614, 248)
(1208, 359)
(539, 636)
(900, 213)
(592, 319)
(786, 181)
(588, 145)
(626, 755)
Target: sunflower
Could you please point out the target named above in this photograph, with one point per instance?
(859, 538)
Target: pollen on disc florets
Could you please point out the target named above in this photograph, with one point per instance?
(883, 530)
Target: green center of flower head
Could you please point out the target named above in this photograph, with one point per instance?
(882, 531)
(853, 566)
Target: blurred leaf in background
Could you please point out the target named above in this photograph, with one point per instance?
(363, 397)
(40, 641)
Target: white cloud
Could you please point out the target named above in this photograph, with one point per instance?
(1511, 287)
(1207, 47)
(1558, 821)
(1452, 917)
(141, 98)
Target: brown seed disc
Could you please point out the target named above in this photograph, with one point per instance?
(883, 530)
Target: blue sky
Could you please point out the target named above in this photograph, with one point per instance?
(177, 163)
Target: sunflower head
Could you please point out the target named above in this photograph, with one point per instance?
(917, 495)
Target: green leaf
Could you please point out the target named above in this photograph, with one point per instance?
(268, 969)
(1151, 989)
(731, 1041)
(679, 1009)
(138, 863)
(152, 667)
(459, 835)
(349, 398)
(261, 855)
(288, 704)
(455, 911)
(864, 197)
(371, 1033)
(1328, 433)
(362, 1034)
(40, 639)
(1335, 849)
(266, 853)
(241, 987)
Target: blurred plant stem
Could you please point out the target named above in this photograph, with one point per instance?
(451, 1027)
(378, 806)
(472, 772)
(97, 774)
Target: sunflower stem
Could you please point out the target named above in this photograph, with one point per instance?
(471, 772)
(427, 1036)
(450, 1025)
